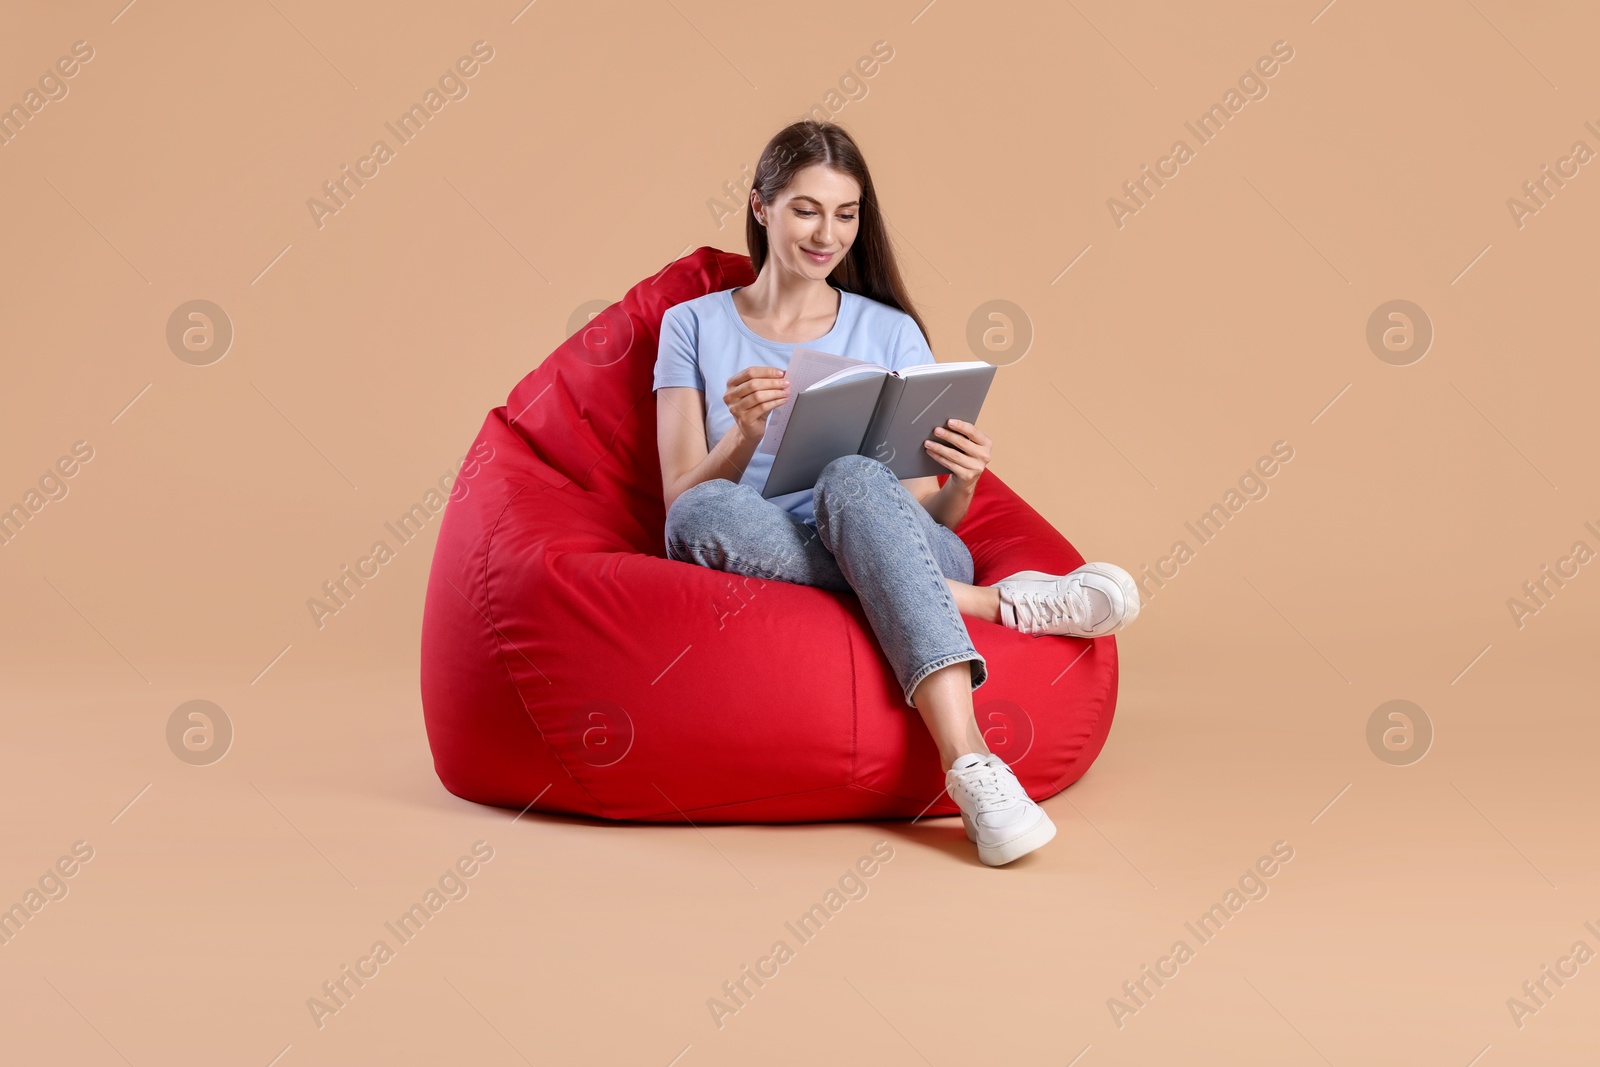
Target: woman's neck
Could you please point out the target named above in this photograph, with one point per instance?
(786, 301)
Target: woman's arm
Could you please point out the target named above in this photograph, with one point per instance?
(686, 460)
(965, 450)
(947, 503)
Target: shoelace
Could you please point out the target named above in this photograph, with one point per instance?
(983, 784)
(1037, 610)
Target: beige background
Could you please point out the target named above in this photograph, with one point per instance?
(1227, 314)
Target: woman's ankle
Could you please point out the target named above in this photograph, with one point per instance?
(948, 757)
(976, 601)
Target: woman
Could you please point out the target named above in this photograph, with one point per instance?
(814, 216)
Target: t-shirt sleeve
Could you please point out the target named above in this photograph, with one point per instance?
(676, 355)
(910, 347)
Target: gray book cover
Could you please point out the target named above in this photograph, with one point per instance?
(883, 415)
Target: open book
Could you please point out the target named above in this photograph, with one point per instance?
(841, 406)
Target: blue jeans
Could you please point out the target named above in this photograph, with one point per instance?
(872, 537)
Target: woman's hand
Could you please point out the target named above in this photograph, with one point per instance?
(752, 393)
(963, 448)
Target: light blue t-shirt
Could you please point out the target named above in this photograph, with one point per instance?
(704, 342)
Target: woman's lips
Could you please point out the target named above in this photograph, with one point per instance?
(815, 258)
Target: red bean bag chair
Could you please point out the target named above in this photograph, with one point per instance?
(569, 666)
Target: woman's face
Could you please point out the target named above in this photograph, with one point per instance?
(819, 212)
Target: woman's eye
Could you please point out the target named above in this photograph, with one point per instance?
(808, 214)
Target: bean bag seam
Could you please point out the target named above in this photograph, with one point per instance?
(1103, 706)
(610, 445)
(752, 800)
(908, 800)
(488, 545)
(855, 702)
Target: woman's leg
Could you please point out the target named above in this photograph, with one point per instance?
(901, 564)
(728, 526)
(905, 567)
(976, 601)
(945, 700)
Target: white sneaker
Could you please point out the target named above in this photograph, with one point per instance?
(997, 813)
(1094, 600)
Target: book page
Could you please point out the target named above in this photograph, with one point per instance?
(807, 367)
(929, 368)
(848, 373)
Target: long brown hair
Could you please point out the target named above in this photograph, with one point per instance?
(869, 269)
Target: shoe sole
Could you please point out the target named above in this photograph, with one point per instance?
(1124, 580)
(1000, 855)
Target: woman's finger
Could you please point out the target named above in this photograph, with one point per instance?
(971, 431)
(956, 440)
(956, 461)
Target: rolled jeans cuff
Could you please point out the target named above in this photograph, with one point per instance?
(980, 672)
